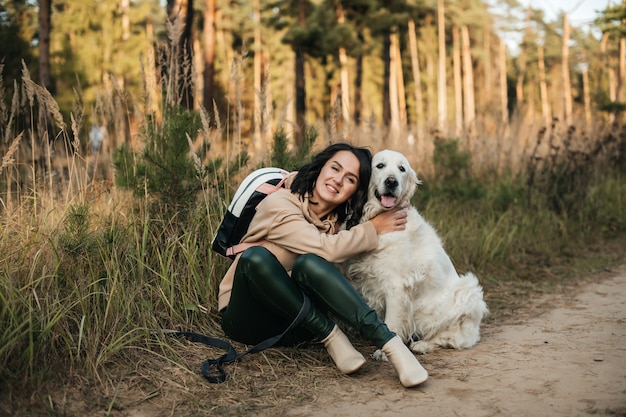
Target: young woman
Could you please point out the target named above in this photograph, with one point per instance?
(298, 238)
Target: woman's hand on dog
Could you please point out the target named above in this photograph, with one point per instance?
(391, 221)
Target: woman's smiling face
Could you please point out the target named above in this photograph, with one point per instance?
(337, 181)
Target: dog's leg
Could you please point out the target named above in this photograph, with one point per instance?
(394, 317)
(423, 346)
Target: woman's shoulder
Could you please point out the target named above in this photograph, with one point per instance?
(281, 200)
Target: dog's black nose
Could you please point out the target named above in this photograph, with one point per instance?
(391, 183)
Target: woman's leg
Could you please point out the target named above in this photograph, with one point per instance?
(327, 288)
(331, 292)
(265, 300)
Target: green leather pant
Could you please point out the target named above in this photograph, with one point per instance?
(265, 300)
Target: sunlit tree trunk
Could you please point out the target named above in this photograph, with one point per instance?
(222, 51)
(468, 82)
(431, 98)
(608, 64)
(258, 79)
(458, 84)
(345, 81)
(487, 64)
(567, 86)
(393, 84)
(267, 121)
(417, 77)
(621, 70)
(543, 87)
(125, 10)
(442, 107)
(519, 87)
(504, 95)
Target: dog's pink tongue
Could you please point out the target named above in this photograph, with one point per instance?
(387, 201)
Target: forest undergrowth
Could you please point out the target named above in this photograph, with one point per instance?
(93, 271)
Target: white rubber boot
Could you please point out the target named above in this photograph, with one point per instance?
(405, 363)
(345, 356)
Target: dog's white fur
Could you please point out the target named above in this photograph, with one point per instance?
(409, 279)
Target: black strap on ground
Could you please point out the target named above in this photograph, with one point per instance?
(231, 354)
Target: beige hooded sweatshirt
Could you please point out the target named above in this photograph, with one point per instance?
(285, 225)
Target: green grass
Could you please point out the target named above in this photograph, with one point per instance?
(93, 287)
(90, 274)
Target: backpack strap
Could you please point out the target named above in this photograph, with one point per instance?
(231, 354)
(237, 249)
(267, 188)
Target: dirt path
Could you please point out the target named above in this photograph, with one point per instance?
(570, 361)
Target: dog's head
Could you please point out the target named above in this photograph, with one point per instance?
(393, 181)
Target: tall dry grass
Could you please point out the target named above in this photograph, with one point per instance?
(91, 274)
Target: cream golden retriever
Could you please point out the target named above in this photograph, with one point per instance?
(409, 280)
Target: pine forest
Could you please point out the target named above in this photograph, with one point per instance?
(126, 126)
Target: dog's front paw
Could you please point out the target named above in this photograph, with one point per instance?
(421, 347)
(380, 356)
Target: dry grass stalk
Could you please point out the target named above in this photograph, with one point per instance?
(4, 111)
(8, 159)
(46, 101)
(30, 93)
(197, 163)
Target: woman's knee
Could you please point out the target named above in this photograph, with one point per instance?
(312, 268)
(308, 262)
(255, 256)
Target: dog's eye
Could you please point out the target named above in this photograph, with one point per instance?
(402, 168)
(380, 165)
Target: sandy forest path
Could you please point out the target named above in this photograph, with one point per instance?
(569, 361)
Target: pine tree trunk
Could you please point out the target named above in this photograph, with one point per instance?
(458, 84)
(586, 96)
(431, 98)
(345, 81)
(258, 80)
(442, 107)
(45, 9)
(209, 53)
(608, 64)
(300, 81)
(567, 86)
(468, 83)
(358, 83)
(222, 45)
(504, 95)
(417, 78)
(393, 84)
(401, 86)
(519, 87)
(543, 87)
(125, 9)
(183, 9)
(621, 70)
(487, 64)
(386, 77)
(267, 121)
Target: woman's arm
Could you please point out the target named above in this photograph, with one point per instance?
(283, 223)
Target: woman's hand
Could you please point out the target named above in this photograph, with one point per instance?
(391, 221)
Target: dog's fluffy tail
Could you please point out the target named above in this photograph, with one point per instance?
(470, 293)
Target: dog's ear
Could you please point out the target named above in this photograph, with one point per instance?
(413, 182)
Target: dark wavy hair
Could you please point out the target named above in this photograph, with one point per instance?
(352, 210)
